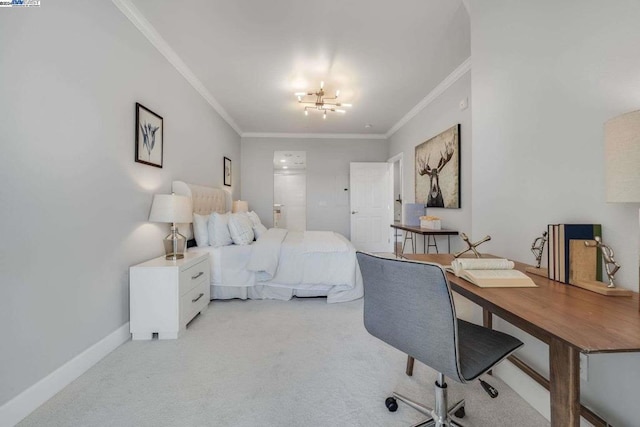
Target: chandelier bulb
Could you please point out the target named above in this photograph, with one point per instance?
(324, 116)
(322, 85)
(306, 113)
(337, 93)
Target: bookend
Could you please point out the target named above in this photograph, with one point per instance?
(538, 271)
(582, 270)
(537, 247)
(601, 288)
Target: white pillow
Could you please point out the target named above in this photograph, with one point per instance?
(255, 219)
(241, 228)
(200, 231)
(259, 230)
(219, 230)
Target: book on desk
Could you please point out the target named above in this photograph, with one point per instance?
(490, 273)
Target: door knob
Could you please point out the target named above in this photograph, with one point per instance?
(354, 212)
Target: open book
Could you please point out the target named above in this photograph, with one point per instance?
(490, 273)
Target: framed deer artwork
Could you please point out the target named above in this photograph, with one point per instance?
(149, 137)
(437, 170)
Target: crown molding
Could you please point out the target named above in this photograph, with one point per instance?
(145, 27)
(314, 135)
(435, 93)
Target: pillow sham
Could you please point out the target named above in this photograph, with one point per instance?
(219, 230)
(259, 230)
(200, 231)
(241, 228)
(255, 219)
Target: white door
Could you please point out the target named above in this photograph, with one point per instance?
(371, 213)
(290, 193)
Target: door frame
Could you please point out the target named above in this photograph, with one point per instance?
(400, 159)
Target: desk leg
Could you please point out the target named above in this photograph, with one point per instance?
(487, 318)
(564, 373)
(487, 322)
(449, 243)
(395, 241)
(410, 361)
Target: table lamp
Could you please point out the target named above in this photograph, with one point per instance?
(240, 206)
(622, 158)
(173, 209)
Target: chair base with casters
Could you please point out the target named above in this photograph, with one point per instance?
(438, 416)
(409, 306)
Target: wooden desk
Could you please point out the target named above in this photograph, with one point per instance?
(569, 319)
(425, 232)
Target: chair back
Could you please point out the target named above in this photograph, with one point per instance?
(409, 306)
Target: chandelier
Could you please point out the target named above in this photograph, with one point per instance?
(320, 103)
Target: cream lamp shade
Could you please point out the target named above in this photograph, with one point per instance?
(171, 208)
(240, 206)
(622, 158)
(174, 209)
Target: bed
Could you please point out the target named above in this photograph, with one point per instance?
(281, 264)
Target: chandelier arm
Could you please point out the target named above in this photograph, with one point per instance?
(320, 102)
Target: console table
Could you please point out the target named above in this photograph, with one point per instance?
(569, 319)
(425, 232)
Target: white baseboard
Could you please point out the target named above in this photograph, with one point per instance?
(26, 402)
(535, 395)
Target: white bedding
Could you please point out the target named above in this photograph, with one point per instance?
(284, 263)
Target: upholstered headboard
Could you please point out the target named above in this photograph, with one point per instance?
(205, 200)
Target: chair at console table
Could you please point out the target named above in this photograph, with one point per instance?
(569, 319)
(426, 233)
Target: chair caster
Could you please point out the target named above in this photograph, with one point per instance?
(391, 404)
(460, 413)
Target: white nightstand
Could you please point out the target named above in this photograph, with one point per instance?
(165, 295)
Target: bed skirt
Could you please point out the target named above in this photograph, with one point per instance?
(263, 292)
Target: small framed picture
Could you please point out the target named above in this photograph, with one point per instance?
(149, 137)
(227, 172)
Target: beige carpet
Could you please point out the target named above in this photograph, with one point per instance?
(265, 363)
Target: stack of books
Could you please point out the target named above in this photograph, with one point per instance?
(569, 257)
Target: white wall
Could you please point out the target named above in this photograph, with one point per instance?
(439, 116)
(74, 202)
(327, 176)
(546, 75)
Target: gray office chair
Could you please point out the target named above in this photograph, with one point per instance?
(409, 306)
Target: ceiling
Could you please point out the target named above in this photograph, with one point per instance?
(252, 55)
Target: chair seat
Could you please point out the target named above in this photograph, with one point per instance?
(481, 348)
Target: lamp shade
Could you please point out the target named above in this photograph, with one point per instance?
(240, 206)
(171, 208)
(622, 158)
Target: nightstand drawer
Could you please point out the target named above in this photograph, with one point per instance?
(194, 301)
(194, 276)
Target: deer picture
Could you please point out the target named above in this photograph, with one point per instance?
(435, 199)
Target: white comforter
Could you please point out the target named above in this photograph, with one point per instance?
(319, 260)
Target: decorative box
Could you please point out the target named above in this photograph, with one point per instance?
(431, 224)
